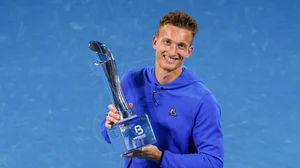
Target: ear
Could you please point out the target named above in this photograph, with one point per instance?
(190, 51)
(154, 41)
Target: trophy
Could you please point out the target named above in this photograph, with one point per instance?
(132, 131)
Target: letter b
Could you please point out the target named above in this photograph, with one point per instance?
(138, 129)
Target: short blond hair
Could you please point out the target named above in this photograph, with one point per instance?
(179, 19)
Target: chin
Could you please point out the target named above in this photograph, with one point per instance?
(170, 68)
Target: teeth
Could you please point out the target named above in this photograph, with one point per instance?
(170, 59)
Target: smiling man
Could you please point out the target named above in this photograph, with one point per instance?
(184, 113)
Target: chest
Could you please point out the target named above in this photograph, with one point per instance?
(170, 113)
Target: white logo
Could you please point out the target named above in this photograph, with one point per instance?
(138, 129)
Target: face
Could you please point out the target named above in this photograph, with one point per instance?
(172, 45)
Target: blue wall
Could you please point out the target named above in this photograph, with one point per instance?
(52, 98)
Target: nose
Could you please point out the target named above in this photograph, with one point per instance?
(173, 50)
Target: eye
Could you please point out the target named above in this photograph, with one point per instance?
(167, 41)
(182, 45)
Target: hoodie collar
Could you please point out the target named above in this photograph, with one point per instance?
(187, 77)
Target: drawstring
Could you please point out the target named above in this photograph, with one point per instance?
(153, 94)
(128, 166)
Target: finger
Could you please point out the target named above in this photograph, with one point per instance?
(139, 150)
(138, 154)
(114, 115)
(127, 154)
(111, 120)
(144, 149)
(108, 125)
(133, 152)
(112, 108)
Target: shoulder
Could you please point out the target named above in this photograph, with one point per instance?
(201, 92)
(135, 72)
(196, 85)
(207, 96)
(136, 76)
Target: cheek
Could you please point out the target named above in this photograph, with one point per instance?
(160, 50)
(160, 47)
(184, 54)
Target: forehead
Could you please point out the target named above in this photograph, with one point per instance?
(175, 33)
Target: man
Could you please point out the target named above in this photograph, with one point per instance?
(183, 112)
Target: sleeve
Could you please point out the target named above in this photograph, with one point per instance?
(208, 139)
(104, 132)
(102, 125)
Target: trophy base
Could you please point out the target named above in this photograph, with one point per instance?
(131, 134)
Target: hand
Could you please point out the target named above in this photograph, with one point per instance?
(149, 152)
(113, 116)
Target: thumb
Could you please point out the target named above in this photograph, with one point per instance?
(130, 105)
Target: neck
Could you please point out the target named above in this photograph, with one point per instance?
(164, 76)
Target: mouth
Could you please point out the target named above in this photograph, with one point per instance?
(170, 59)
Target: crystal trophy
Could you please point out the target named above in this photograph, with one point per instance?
(132, 131)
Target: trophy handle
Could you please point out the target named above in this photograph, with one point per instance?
(104, 58)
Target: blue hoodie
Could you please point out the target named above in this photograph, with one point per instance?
(184, 115)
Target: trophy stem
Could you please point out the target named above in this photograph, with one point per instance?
(105, 59)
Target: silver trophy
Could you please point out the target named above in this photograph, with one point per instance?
(132, 131)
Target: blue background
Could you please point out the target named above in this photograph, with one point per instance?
(52, 98)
